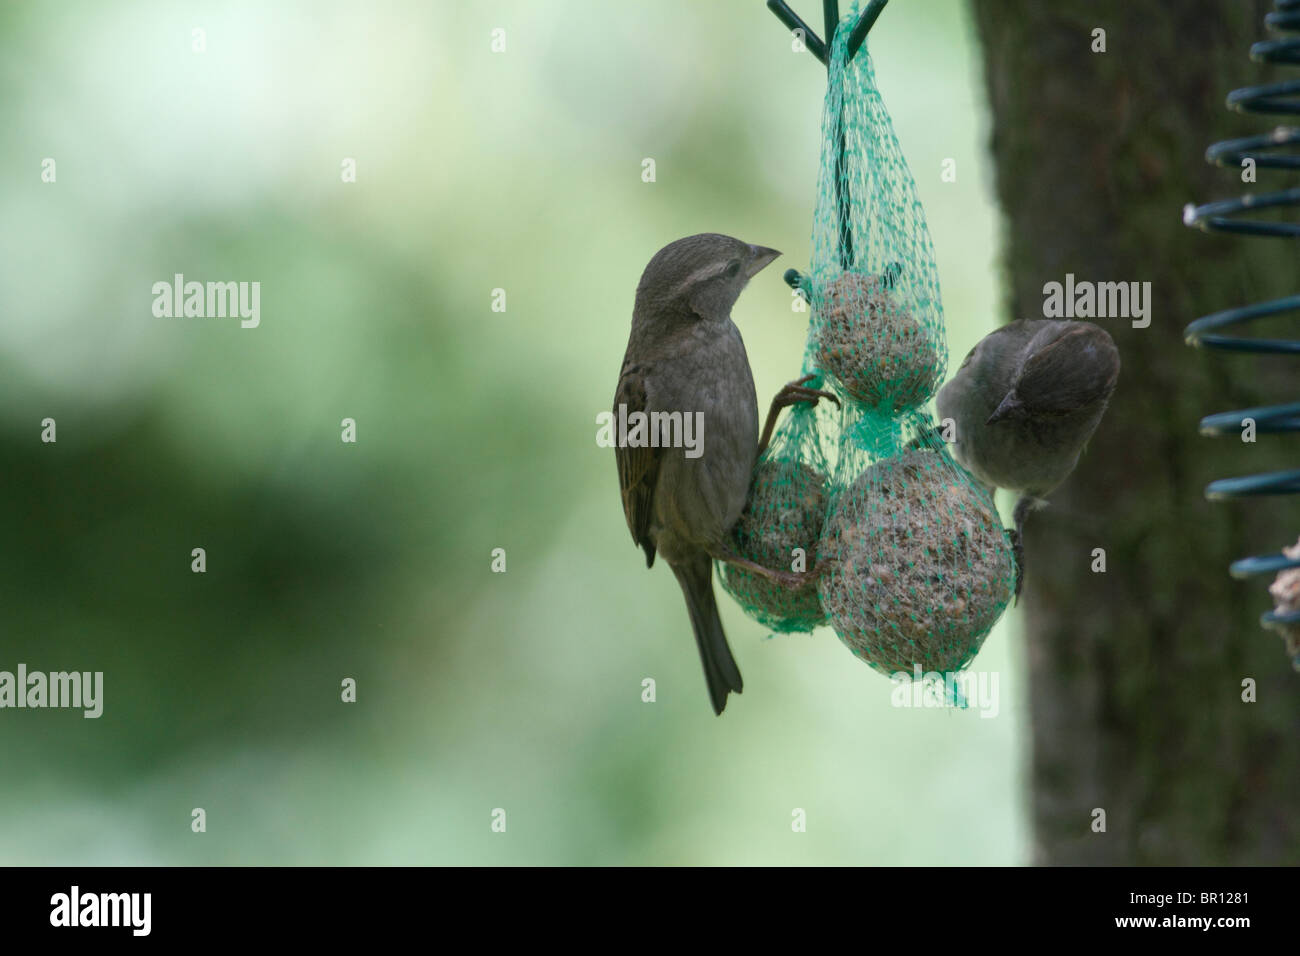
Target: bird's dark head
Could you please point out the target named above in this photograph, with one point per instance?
(701, 275)
(1067, 368)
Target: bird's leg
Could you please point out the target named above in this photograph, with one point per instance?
(794, 580)
(790, 394)
(1025, 505)
(928, 438)
(1018, 550)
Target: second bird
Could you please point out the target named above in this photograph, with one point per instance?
(1025, 402)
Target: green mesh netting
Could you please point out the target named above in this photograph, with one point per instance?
(917, 567)
(783, 520)
(912, 567)
(878, 324)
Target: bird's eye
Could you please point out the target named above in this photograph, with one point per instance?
(733, 268)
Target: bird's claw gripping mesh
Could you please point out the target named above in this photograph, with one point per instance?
(782, 522)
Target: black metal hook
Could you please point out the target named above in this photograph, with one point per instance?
(831, 17)
(791, 19)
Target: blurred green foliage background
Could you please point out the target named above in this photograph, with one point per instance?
(476, 430)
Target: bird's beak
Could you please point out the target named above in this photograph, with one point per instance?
(759, 258)
(1009, 408)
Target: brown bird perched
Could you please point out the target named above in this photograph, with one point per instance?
(1025, 402)
(685, 357)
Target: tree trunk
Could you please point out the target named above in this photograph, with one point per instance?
(1136, 674)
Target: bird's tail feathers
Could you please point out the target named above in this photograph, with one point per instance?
(720, 670)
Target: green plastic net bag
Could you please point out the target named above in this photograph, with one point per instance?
(918, 567)
(915, 565)
(877, 321)
(783, 520)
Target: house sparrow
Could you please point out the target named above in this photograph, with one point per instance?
(686, 356)
(1025, 402)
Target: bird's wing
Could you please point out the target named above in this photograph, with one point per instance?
(638, 468)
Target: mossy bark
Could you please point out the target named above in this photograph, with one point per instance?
(1136, 673)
